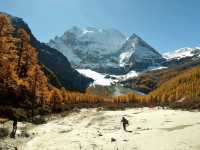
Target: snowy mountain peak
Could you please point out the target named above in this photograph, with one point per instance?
(75, 30)
(134, 36)
(89, 47)
(136, 40)
(182, 53)
(97, 31)
(92, 29)
(136, 53)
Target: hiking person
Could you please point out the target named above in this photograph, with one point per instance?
(12, 135)
(125, 123)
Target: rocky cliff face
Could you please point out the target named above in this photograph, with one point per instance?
(55, 61)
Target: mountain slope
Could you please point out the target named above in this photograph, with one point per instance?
(184, 86)
(105, 50)
(54, 60)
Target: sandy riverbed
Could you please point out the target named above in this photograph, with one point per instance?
(150, 129)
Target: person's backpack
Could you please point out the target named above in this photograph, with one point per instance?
(126, 121)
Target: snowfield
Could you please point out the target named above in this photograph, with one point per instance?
(92, 129)
(100, 78)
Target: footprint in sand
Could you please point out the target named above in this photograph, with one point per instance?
(198, 123)
(167, 121)
(143, 120)
(65, 131)
(137, 133)
(137, 112)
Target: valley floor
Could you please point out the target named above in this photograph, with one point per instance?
(149, 129)
(93, 129)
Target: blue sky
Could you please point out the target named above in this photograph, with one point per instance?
(164, 24)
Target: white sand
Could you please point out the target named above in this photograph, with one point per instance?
(152, 129)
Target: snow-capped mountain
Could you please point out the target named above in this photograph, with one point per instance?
(105, 50)
(182, 53)
(136, 54)
(89, 47)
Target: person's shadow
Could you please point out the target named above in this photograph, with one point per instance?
(129, 131)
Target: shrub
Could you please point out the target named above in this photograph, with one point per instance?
(39, 120)
(4, 132)
(20, 114)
